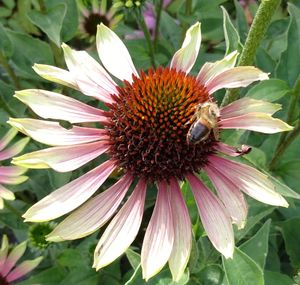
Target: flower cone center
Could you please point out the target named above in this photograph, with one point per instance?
(149, 123)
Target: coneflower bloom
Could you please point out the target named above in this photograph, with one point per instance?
(9, 272)
(10, 175)
(145, 133)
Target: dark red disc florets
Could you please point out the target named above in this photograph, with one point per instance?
(149, 123)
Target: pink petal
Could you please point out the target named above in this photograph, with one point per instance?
(249, 180)
(62, 159)
(70, 196)
(247, 105)
(12, 171)
(14, 149)
(114, 54)
(12, 180)
(16, 253)
(51, 133)
(24, 268)
(186, 56)
(6, 139)
(91, 77)
(159, 236)
(50, 105)
(230, 195)
(122, 230)
(230, 150)
(211, 69)
(182, 233)
(259, 122)
(240, 76)
(93, 214)
(214, 216)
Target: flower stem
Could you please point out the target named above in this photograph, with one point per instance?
(158, 9)
(287, 138)
(10, 71)
(188, 12)
(144, 28)
(257, 31)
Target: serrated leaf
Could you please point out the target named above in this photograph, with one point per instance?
(50, 22)
(269, 90)
(232, 37)
(257, 246)
(242, 270)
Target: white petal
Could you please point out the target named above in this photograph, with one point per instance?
(6, 194)
(249, 180)
(186, 56)
(247, 105)
(51, 133)
(159, 236)
(70, 196)
(114, 54)
(62, 159)
(56, 75)
(240, 76)
(211, 69)
(182, 233)
(214, 216)
(230, 195)
(122, 230)
(93, 214)
(258, 122)
(14, 149)
(50, 105)
(6, 139)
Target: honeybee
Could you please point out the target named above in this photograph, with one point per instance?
(205, 121)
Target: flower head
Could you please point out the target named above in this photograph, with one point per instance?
(10, 175)
(9, 272)
(146, 134)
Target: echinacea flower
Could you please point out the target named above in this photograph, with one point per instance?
(145, 134)
(10, 175)
(9, 272)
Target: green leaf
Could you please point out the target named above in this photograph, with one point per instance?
(50, 22)
(291, 235)
(241, 24)
(6, 46)
(232, 37)
(211, 275)
(272, 278)
(133, 257)
(289, 171)
(257, 246)
(288, 67)
(269, 90)
(242, 270)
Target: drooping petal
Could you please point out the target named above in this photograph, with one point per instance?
(214, 216)
(12, 180)
(23, 268)
(182, 232)
(51, 133)
(6, 139)
(248, 105)
(14, 149)
(114, 54)
(240, 76)
(56, 75)
(16, 253)
(186, 56)
(230, 195)
(12, 171)
(249, 180)
(93, 214)
(230, 150)
(6, 194)
(211, 69)
(70, 196)
(62, 159)
(159, 236)
(91, 77)
(258, 122)
(50, 105)
(122, 230)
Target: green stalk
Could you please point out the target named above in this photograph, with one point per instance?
(188, 12)
(159, 7)
(256, 34)
(144, 28)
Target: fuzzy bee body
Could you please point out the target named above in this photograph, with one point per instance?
(205, 121)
